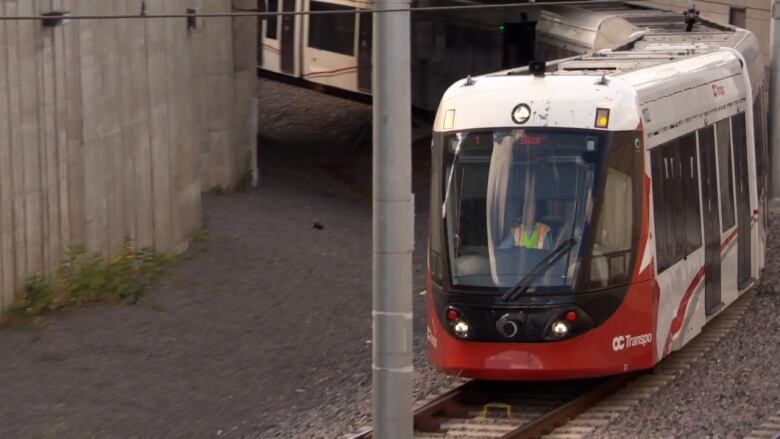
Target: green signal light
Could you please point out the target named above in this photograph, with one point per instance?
(502, 28)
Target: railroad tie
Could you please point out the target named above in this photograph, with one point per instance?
(768, 430)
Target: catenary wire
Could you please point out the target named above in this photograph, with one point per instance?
(270, 14)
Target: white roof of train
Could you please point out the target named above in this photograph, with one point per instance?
(657, 57)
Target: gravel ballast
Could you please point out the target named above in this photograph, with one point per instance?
(733, 388)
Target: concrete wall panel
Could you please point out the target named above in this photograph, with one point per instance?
(7, 257)
(111, 129)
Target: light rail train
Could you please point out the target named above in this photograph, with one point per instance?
(334, 51)
(590, 215)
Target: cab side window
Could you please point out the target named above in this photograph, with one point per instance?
(616, 229)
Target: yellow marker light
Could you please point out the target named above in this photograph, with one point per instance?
(602, 117)
(449, 120)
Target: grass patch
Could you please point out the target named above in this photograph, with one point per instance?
(244, 182)
(85, 277)
(199, 236)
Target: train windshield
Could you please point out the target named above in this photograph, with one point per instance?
(517, 207)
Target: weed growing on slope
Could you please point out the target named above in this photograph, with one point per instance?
(244, 182)
(199, 235)
(85, 277)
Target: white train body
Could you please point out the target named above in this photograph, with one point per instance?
(695, 99)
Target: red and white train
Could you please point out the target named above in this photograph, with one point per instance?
(589, 216)
(333, 51)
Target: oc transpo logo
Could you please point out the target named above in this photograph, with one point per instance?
(628, 341)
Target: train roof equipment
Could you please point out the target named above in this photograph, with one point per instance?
(636, 50)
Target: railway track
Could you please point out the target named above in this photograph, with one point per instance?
(559, 410)
(502, 410)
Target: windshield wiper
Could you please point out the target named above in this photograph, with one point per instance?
(540, 269)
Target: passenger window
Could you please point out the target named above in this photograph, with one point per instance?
(725, 173)
(332, 32)
(272, 22)
(675, 173)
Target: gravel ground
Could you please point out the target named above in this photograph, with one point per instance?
(734, 387)
(261, 331)
(343, 405)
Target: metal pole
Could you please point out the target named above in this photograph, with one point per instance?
(774, 106)
(393, 223)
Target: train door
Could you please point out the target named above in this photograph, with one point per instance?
(739, 133)
(330, 55)
(762, 162)
(288, 38)
(365, 38)
(279, 38)
(711, 216)
(269, 57)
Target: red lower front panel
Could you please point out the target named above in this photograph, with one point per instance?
(625, 342)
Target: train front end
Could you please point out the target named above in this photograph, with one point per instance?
(538, 266)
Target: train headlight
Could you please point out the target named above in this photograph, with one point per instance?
(560, 329)
(461, 329)
(521, 114)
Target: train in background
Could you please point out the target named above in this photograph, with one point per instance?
(591, 215)
(335, 50)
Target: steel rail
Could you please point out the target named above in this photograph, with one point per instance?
(454, 405)
(446, 403)
(561, 415)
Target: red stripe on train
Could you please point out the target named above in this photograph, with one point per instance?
(728, 240)
(680, 317)
(330, 72)
(272, 49)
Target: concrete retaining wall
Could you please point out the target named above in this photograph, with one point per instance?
(113, 128)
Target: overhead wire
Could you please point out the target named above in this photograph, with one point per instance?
(243, 13)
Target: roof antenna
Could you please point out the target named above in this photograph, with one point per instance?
(537, 68)
(469, 81)
(691, 16)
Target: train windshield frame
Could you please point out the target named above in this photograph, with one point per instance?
(556, 210)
